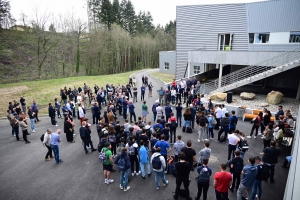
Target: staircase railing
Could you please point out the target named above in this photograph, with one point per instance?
(252, 70)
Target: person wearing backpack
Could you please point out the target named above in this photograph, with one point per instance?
(203, 179)
(233, 122)
(242, 145)
(107, 163)
(144, 160)
(249, 173)
(124, 165)
(133, 155)
(159, 165)
(183, 172)
(236, 167)
(164, 146)
(202, 123)
(112, 138)
(259, 178)
(46, 142)
(158, 128)
(173, 125)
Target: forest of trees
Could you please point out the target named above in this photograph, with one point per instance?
(115, 39)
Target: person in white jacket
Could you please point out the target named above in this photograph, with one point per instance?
(46, 142)
(159, 167)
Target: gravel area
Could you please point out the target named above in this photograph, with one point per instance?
(287, 103)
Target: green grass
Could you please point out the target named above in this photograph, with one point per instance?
(44, 91)
(163, 76)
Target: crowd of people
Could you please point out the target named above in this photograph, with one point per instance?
(138, 144)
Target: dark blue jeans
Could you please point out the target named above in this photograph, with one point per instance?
(56, 152)
(125, 113)
(154, 115)
(179, 118)
(12, 129)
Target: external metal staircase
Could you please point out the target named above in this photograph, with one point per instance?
(275, 65)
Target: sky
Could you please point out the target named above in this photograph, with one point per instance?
(162, 11)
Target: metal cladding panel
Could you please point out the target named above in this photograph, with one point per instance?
(198, 27)
(170, 57)
(273, 16)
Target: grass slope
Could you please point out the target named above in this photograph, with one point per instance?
(44, 91)
(167, 78)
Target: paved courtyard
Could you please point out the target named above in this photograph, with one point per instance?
(24, 173)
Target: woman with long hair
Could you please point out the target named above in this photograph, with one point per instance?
(256, 124)
(144, 111)
(112, 138)
(268, 135)
(187, 117)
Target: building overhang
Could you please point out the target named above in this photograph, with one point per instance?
(230, 57)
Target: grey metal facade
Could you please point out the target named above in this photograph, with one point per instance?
(169, 57)
(199, 26)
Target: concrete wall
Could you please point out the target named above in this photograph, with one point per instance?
(170, 57)
(230, 57)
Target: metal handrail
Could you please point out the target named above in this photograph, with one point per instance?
(252, 70)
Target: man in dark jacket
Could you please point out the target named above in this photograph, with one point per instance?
(51, 111)
(131, 112)
(270, 158)
(154, 110)
(124, 164)
(97, 113)
(280, 112)
(86, 137)
(168, 110)
(193, 112)
(224, 127)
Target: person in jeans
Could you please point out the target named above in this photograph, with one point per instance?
(32, 119)
(159, 172)
(210, 134)
(124, 174)
(183, 173)
(46, 142)
(203, 185)
(35, 109)
(144, 160)
(57, 106)
(222, 182)
(236, 167)
(55, 140)
(164, 146)
(257, 184)
(187, 117)
(249, 174)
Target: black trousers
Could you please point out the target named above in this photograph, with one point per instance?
(201, 188)
(69, 135)
(134, 116)
(186, 182)
(256, 130)
(172, 133)
(25, 133)
(87, 142)
(49, 153)
(193, 122)
(236, 178)
(142, 96)
(231, 149)
(134, 160)
(218, 123)
(221, 195)
(267, 143)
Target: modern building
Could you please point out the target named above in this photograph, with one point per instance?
(167, 62)
(246, 45)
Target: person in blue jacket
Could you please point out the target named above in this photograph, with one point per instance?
(124, 173)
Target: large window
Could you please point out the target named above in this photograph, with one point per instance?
(261, 37)
(166, 65)
(295, 37)
(196, 69)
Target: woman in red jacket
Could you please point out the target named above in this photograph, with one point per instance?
(256, 124)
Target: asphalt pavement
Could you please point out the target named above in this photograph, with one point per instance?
(24, 173)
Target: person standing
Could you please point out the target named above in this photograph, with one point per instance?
(190, 154)
(35, 109)
(68, 129)
(52, 114)
(204, 153)
(168, 111)
(150, 86)
(218, 114)
(80, 113)
(108, 164)
(249, 174)
(222, 182)
(210, 133)
(125, 106)
(179, 113)
(131, 112)
(15, 124)
(55, 140)
(133, 155)
(32, 119)
(135, 92)
(193, 113)
(173, 125)
(256, 124)
(202, 123)
(159, 166)
(23, 103)
(154, 106)
(259, 177)
(159, 111)
(164, 146)
(46, 142)
(233, 141)
(23, 127)
(233, 122)
(203, 179)
(178, 147)
(143, 90)
(268, 135)
(224, 127)
(86, 137)
(124, 165)
(183, 172)
(270, 158)
(236, 167)
(144, 111)
(57, 107)
(161, 93)
(144, 160)
(9, 117)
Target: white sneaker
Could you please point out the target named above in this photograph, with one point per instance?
(132, 174)
(33, 131)
(126, 189)
(110, 181)
(254, 137)
(138, 173)
(259, 134)
(211, 138)
(167, 182)
(106, 182)
(249, 136)
(74, 134)
(121, 187)
(198, 140)
(88, 147)
(55, 125)
(202, 140)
